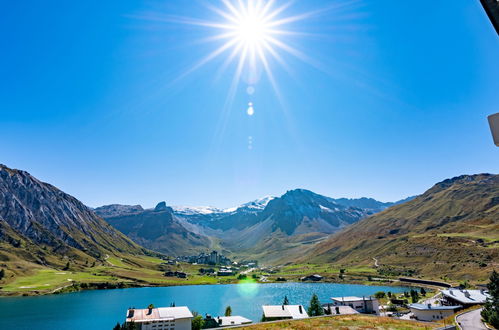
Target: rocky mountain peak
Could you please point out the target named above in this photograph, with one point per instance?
(40, 213)
(162, 207)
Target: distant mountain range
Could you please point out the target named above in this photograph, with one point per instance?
(453, 228)
(41, 224)
(450, 229)
(157, 229)
(282, 224)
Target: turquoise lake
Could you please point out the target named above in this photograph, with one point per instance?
(101, 309)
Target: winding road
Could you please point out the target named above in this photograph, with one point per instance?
(471, 320)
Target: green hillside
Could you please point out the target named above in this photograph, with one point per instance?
(46, 231)
(452, 231)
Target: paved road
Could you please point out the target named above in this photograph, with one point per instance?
(471, 320)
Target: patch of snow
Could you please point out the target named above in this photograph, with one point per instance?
(325, 209)
(196, 209)
(258, 204)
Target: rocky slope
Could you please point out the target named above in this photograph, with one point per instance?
(268, 228)
(157, 229)
(451, 228)
(115, 210)
(39, 222)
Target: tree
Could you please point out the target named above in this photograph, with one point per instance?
(2, 273)
(197, 322)
(379, 295)
(66, 267)
(315, 308)
(228, 311)
(423, 292)
(490, 312)
(286, 301)
(414, 296)
(117, 326)
(389, 294)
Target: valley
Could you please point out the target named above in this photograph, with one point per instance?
(50, 242)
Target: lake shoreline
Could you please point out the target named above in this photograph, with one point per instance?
(107, 307)
(83, 286)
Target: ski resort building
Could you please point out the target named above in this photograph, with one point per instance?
(283, 312)
(163, 318)
(427, 312)
(364, 305)
(464, 297)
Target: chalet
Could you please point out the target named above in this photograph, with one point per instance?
(329, 309)
(463, 297)
(314, 278)
(427, 312)
(283, 312)
(225, 272)
(171, 318)
(364, 305)
(224, 321)
(175, 274)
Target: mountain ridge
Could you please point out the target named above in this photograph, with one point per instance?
(38, 221)
(297, 217)
(455, 222)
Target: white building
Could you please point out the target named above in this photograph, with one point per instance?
(227, 321)
(427, 312)
(163, 318)
(282, 312)
(464, 297)
(364, 305)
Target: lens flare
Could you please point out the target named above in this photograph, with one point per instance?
(251, 110)
(247, 288)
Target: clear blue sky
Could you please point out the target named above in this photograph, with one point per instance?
(90, 102)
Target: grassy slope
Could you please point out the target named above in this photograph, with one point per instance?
(23, 277)
(346, 322)
(450, 231)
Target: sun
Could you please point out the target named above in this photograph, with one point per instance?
(252, 31)
(249, 33)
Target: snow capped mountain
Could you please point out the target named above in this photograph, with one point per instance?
(258, 204)
(191, 210)
(297, 217)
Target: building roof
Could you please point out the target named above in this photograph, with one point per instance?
(181, 312)
(427, 307)
(287, 311)
(351, 299)
(466, 296)
(232, 320)
(158, 314)
(344, 310)
(296, 312)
